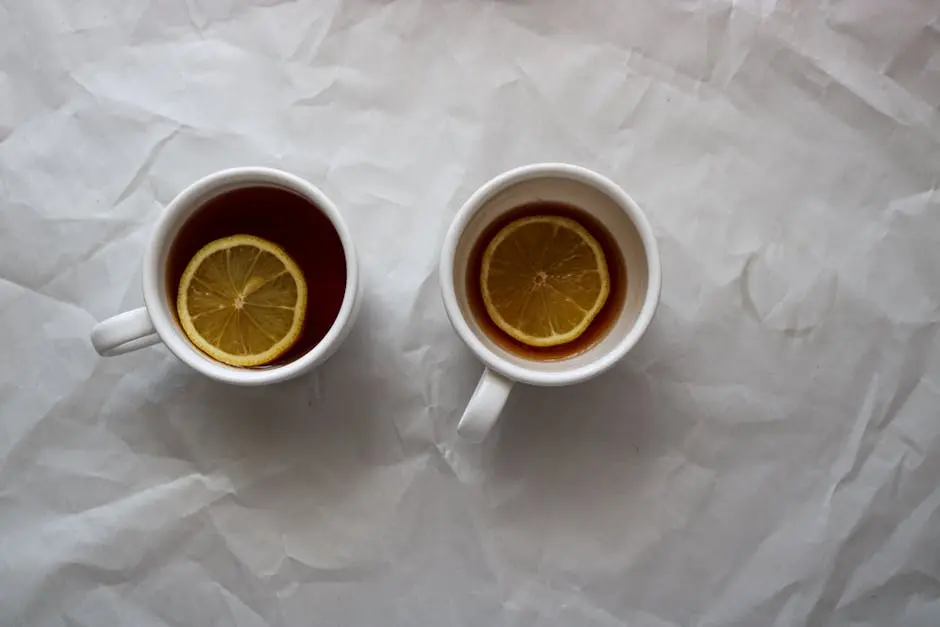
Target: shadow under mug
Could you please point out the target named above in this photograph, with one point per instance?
(156, 321)
(620, 215)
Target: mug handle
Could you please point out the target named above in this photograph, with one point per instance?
(124, 333)
(485, 406)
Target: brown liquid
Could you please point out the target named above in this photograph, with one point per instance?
(599, 326)
(290, 221)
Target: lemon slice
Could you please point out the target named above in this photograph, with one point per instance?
(544, 279)
(242, 300)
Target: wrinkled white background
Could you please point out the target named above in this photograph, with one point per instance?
(768, 455)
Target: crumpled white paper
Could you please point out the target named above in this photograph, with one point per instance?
(769, 454)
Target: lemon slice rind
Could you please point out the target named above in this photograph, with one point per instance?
(555, 339)
(281, 345)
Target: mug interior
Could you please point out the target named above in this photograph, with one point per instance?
(570, 186)
(157, 267)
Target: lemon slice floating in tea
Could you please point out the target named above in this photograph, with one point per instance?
(544, 279)
(242, 300)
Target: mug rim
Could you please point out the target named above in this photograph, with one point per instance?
(159, 241)
(484, 194)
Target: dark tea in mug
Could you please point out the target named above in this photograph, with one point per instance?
(601, 323)
(288, 220)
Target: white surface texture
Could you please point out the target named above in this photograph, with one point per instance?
(768, 455)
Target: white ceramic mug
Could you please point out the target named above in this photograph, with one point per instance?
(156, 322)
(607, 203)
